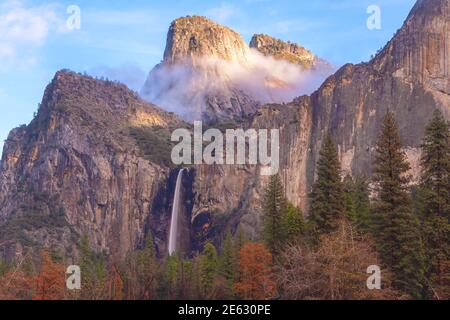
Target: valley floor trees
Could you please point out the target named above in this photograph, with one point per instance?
(435, 187)
(325, 255)
(395, 228)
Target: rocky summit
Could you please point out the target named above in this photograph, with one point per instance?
(282, 50)
(209, 73)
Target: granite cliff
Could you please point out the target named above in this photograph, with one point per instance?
(209, 73)
(96, 158)
(409, 76)
(79, 168)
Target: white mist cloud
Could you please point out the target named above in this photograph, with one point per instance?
(23, 29)
(183, 88)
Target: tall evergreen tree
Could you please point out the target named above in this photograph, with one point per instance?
(273, 207)
(435, 162)
(350, 198)
(293, 224)
(396, 229)
(362, 202)
(327, 199)
(171, 283)
(142, 271)
(239, 240)
(357, 201)
(209, 266)
(435, 189)
(94, 272)
(228, 263)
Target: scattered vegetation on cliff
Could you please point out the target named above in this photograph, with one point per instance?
(298, 258)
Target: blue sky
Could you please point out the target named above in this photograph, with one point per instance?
(123, 40)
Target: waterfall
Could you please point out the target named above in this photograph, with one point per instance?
(173, 233)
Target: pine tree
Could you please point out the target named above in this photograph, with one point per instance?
(293, 224)
(227, 265)
(208, 265)
(273, 207)
(196, 279)
(327, 199)
(357, 201)
(93, 270)
(435, 189)
(350, 195)
(362, 202)
(435, 163)
(396, 229)
(239, 240)
(171, 283)
(150, 269)
(142, 270)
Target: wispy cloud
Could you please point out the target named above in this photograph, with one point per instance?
(23, 29)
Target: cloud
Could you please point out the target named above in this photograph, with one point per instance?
(23, 29)
(185, 88)
(222, 13)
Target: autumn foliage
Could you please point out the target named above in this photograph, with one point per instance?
(49, 284)
(255, 267)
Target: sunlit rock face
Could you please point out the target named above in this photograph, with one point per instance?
(197, 37)
(410, 77)
(80, 168)
(209, 73)
(77, 169)
(287, 51)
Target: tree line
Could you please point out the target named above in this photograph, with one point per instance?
(352, 223)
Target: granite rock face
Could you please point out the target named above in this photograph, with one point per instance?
(196, 37)
(77, 170)
(287, 51)
(410, 77)
(209, 73)
(94, 159)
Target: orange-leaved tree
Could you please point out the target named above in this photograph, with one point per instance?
(255, 267)
(50, 282)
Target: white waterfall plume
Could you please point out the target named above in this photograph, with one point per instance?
(174, 220)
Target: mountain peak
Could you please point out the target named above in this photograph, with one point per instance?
(283, 50)
(419, 52)
(197, 36)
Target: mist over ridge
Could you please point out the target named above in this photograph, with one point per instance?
(210, 73)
